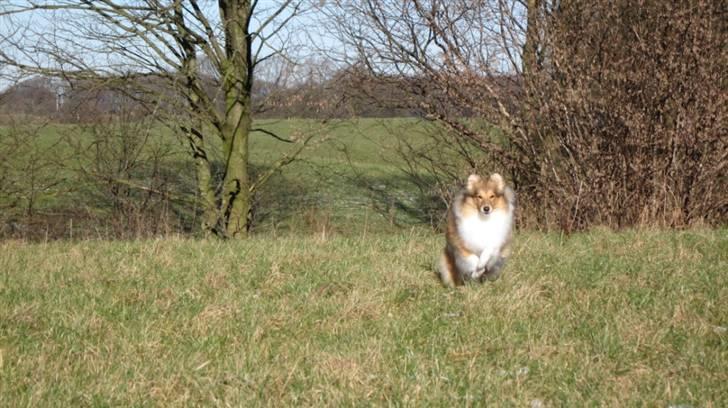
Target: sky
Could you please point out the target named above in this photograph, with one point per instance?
(34, 32)
(305, 39)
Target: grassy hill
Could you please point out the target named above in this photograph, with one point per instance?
(598, 318)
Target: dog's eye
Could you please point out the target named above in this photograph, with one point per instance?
(480, 196)
(491, 196)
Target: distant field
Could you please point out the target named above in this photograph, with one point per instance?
(349, 176)
(599, 318)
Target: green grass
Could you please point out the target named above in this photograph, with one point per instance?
(599, 318)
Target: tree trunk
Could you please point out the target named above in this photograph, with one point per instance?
(237, 84)
(210, 215)
(195, 135)
(236, 195)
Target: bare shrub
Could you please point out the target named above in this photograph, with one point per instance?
(29, 168)
(131, 174)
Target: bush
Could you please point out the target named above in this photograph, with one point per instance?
(626, 107)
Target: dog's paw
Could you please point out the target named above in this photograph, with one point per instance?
(477, 273)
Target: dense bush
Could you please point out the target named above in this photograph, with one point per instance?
(626, 109)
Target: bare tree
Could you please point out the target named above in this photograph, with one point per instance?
(451, 61)
(154, 51)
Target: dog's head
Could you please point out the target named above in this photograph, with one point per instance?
(486, 195)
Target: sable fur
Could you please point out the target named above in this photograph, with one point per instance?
(479, 229)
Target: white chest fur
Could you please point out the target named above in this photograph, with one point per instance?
(485, 234)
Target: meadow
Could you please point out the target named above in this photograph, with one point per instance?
(598, 318)
(335, 303)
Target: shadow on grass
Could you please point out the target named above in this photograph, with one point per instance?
(340, 199)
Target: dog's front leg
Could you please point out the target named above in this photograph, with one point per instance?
(494, 267)
(483, 260)
(468, 265)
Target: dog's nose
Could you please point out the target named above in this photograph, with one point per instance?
(486, 209)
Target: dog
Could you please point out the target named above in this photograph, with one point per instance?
(479, 230)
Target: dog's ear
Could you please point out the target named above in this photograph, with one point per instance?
(497, 180)
(473, 179)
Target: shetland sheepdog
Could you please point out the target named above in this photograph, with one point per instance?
(478, 234)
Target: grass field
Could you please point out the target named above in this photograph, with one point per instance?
(600, 318)
(333, 302)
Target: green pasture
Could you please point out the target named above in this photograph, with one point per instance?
(598, 318)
